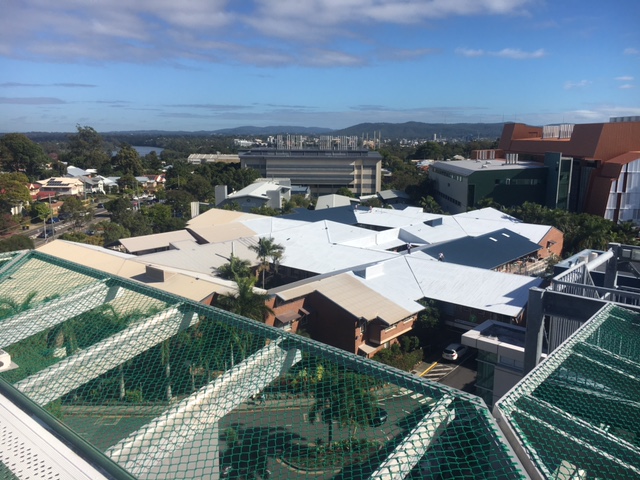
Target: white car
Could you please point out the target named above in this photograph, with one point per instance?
(454, 351)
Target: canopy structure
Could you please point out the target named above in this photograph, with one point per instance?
(109, 378)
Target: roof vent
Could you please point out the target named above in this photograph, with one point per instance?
(5, 361)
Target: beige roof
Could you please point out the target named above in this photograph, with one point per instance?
(352, 295)
(193, 287)
(218, 216)
(221, 233)
(157, 240)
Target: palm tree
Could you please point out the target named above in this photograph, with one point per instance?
(346, 399)
(268, 252)
(10, 307)
(246, 301)
(235, 268)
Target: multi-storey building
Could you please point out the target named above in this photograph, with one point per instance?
(592, 168)
(324, 171)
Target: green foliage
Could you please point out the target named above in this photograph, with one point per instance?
(236, 267)
(346, 398)
(40, 211)
(266, 211)
(397, 357)
(80, 237)
(268, 251)
(372, 202)
(87, 149)
(16, 242)
(430, 205)
(77, 211)
(14, 190)
(199, 187)
(112, 232)
(581, 230)
(345, 191)
(127, 161)
(180, 203)
(160, 217)
(18, 153)
(245, 301)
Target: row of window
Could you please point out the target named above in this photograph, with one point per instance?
(518, 181)
(449, 199)
(447, 174)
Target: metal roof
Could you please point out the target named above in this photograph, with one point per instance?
(145, 384)
(490, 250)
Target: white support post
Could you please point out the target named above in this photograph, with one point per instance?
(408, 453)
(51, 313)
(76, 370)
(151, 451)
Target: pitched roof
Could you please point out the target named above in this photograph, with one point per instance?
(490, 250)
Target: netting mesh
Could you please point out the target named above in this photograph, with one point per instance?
(169, 388)
(578, 414)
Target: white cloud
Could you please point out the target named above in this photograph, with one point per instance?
(469, 52)
(569, 85)
(626, 86)
(217, 30)
(625, 78)
(517, 54)
(631, 51)
(511, 53)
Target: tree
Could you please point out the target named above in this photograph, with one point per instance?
(76, 211)
(14, 190)
(268, 252)
(180, 203)
(18, 153)
(127, 161)
(430, 205)
(345, 398)
(40, 211)
(112, 232)
(345, 191)
(16, 242)
(87, 149)
(199, 187)
(235, 268)
(246, 301)
(161, 219)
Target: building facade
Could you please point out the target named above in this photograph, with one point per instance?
(324, 171)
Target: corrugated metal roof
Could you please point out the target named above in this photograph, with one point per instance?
(155, 241)
(490, 250)
(409, 278)
(353, 296)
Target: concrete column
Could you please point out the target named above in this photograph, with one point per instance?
(535, 330)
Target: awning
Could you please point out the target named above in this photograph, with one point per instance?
(367, 349)
(288, 317)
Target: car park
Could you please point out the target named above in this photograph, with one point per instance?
(454, 351)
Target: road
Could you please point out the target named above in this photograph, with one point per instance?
(100, 214)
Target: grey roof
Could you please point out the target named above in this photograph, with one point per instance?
(344, 215)
(490, 250)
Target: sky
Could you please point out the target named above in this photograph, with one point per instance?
(192, 65)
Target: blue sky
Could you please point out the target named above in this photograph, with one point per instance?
(209, 64)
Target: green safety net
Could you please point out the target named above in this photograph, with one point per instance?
(578, 413)
(170, 388)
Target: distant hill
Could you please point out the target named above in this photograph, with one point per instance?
(415, 130)
(275, 130)
(408, 130)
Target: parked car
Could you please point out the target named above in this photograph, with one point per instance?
(454, 351)
(52, 220)
(379, 418)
